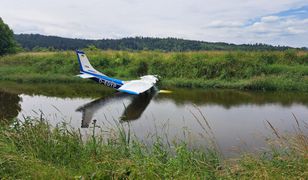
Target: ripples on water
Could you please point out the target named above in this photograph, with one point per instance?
(237, 119)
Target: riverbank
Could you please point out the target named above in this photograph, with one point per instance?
(33, 149)
(283, 71)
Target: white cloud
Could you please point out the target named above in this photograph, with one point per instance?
(270, 18)
(208, 20)
(280, 26)
(224, 24)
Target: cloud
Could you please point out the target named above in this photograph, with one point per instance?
(269, 19)
(236, 21)
(280, 28)
(286, 25)
(224, 24)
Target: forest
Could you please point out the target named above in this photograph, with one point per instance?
(39, 42)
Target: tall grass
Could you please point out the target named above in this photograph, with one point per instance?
(219, 69)
(33, 149)
(287, 159)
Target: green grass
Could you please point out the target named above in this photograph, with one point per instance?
(34, 150)
(206, 69)
(71, 90)
(44, 152)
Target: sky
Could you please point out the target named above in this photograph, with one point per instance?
(276, 22)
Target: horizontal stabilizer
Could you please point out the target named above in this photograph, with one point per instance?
(85, 76)
(135, 87)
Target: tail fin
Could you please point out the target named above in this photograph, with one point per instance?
(84, 63)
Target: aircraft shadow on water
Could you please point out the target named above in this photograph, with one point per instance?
(131, 112)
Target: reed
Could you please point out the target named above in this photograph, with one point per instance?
(33, 149)
(265, 70)
(61, 149)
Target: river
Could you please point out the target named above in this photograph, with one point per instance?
(236, 121)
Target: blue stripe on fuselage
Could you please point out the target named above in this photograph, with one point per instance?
(80, 66)
(117, 81)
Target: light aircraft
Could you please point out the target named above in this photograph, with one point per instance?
(131, 87)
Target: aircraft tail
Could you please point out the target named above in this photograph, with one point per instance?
(84, 63)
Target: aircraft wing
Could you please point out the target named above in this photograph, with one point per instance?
(85, 76)
(135, 87)
(139, 86)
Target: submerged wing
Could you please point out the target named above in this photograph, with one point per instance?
(135, 87)
(85, 76)
(139, 86)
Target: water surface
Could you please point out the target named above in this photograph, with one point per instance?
(236, 120)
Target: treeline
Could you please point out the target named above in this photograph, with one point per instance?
(41, 42)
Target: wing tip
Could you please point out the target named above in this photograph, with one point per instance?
(129, 92)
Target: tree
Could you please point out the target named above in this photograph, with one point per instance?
(7, 41)
(30, 41)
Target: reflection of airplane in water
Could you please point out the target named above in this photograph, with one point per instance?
(131, 112)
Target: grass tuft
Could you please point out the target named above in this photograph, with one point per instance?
(33, 149)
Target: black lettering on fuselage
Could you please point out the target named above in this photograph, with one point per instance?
(107, 83)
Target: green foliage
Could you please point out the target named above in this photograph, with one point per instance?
(50, 89)
(290, 55)
(140, 69)
(7, 42)
(207, 69)
(33, 149)
(30, 41)
(268, 57)
(62, 150)
(91, 47)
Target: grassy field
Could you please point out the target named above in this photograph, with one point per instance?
(33, 150)
(264, 70)
(64, 90)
